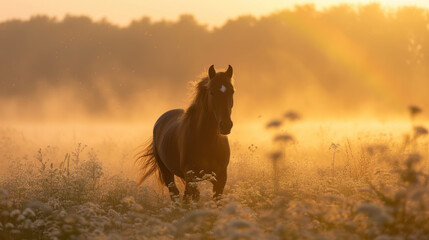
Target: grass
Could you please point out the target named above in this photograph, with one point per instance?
(372, 185)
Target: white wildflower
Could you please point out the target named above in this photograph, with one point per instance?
(28, 212)
(15, 213)
(9, 225)
(375, 212)
(20, 218)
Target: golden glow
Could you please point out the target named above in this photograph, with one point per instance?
(330, 118)
(348, 55)
(209, 12)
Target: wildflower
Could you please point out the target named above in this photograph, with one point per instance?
(252, 148)
(414, 110)
(20, 218)
(40, 205)
(375, 212)
(412, 159)
(275, 156)
(4, 194)
(62, 214)
(28, 212)
(420, 131)
(53, 232)
(231, 208)
(283, 138)
(197, 216)
(376, 148)
(9, 225)
(113, 214)
(69, 219)
(334, 147)
(27, 224)
(38, 223)
(209, 177)
(15, 213)
(274, 124)
(292, 116)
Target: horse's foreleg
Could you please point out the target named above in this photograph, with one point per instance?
(173, 191)
(219, 185)
(168, 179)
(191, 188)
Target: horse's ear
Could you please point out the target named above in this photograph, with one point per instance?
(229, 72)
(212, 72)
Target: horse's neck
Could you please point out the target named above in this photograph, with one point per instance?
(206, 125)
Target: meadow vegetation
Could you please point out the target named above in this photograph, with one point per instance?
(372, 185)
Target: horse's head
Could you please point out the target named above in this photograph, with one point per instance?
(220, 98)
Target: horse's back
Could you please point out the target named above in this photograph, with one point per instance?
(167, 117)
(165, 138)
(165, 121)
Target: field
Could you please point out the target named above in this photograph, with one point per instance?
(299, 180)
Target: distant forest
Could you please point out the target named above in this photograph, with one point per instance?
(346, 56)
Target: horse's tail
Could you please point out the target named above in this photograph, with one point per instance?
(148, 161)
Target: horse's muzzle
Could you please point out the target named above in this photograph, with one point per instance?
(225, 127)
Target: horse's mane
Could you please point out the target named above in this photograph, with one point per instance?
(199, 97)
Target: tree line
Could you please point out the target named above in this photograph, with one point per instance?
(348, 55)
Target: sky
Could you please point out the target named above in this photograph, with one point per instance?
(122, 12)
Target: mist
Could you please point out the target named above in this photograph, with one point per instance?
(343, 61)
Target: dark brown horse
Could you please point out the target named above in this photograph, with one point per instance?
(192, 143)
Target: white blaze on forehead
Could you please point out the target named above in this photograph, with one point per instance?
(222, 89)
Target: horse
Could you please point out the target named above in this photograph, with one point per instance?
(192, 143)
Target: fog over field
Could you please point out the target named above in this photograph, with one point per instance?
(339, 62)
